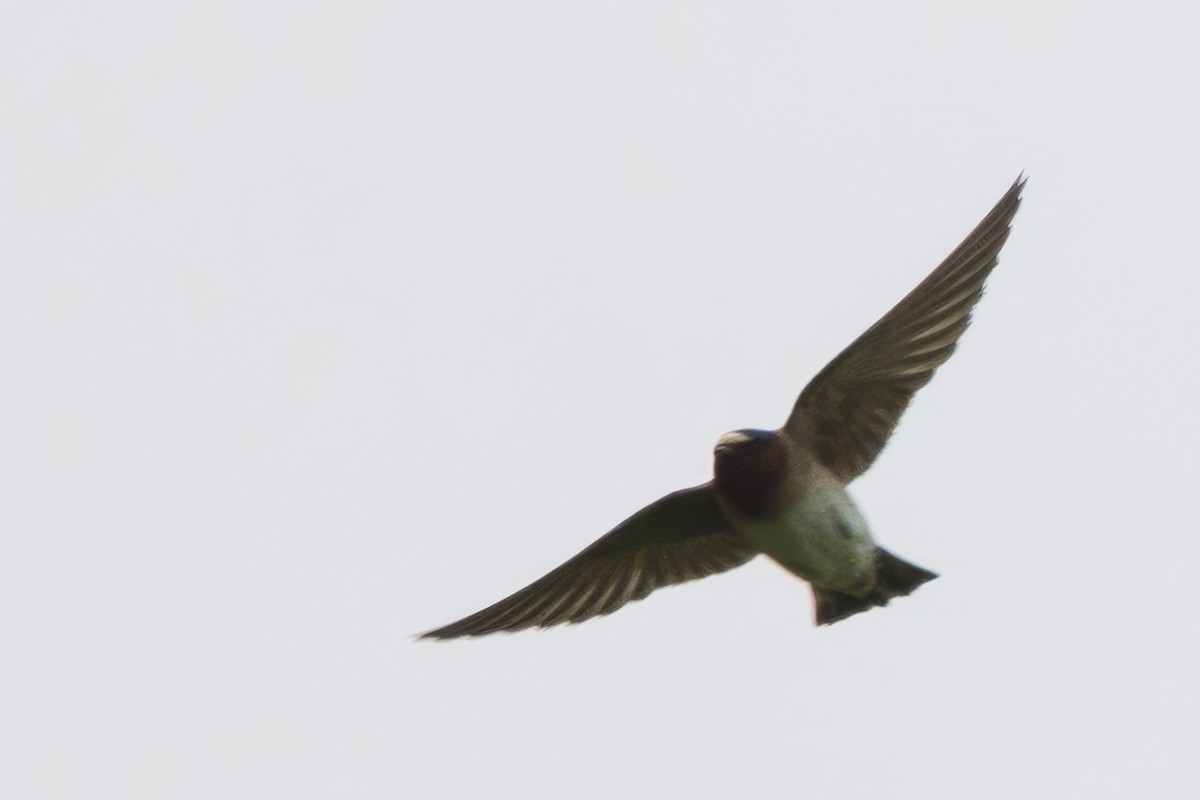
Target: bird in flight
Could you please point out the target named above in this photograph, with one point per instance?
(783, 492)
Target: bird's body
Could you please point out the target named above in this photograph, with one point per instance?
(809, 524)
(790, 507)
(783, 493)
(821, 536)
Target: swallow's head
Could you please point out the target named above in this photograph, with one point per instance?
(744, 443)
(749, 467)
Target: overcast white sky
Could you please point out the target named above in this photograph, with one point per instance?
(322, 324)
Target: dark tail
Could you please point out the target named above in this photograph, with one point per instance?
(895, 578)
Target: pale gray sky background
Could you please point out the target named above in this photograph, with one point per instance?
(322, 324)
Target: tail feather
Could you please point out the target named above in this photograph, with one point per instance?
(895, 577)
(898, 577)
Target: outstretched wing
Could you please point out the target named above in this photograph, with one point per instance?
(678, 538)
(848, 411)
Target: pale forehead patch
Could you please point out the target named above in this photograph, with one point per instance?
(733, 438)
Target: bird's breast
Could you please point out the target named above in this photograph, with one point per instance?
(821, 537)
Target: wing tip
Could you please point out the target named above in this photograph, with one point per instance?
(460, 630)
(440, 634)
(1014, 194)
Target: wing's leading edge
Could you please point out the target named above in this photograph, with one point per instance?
(677, 538)
(848, 411)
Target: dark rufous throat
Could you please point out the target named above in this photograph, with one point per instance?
(749, 473)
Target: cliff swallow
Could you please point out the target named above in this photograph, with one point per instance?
(783, 492)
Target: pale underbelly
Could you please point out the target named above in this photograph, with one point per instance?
(823, 539)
